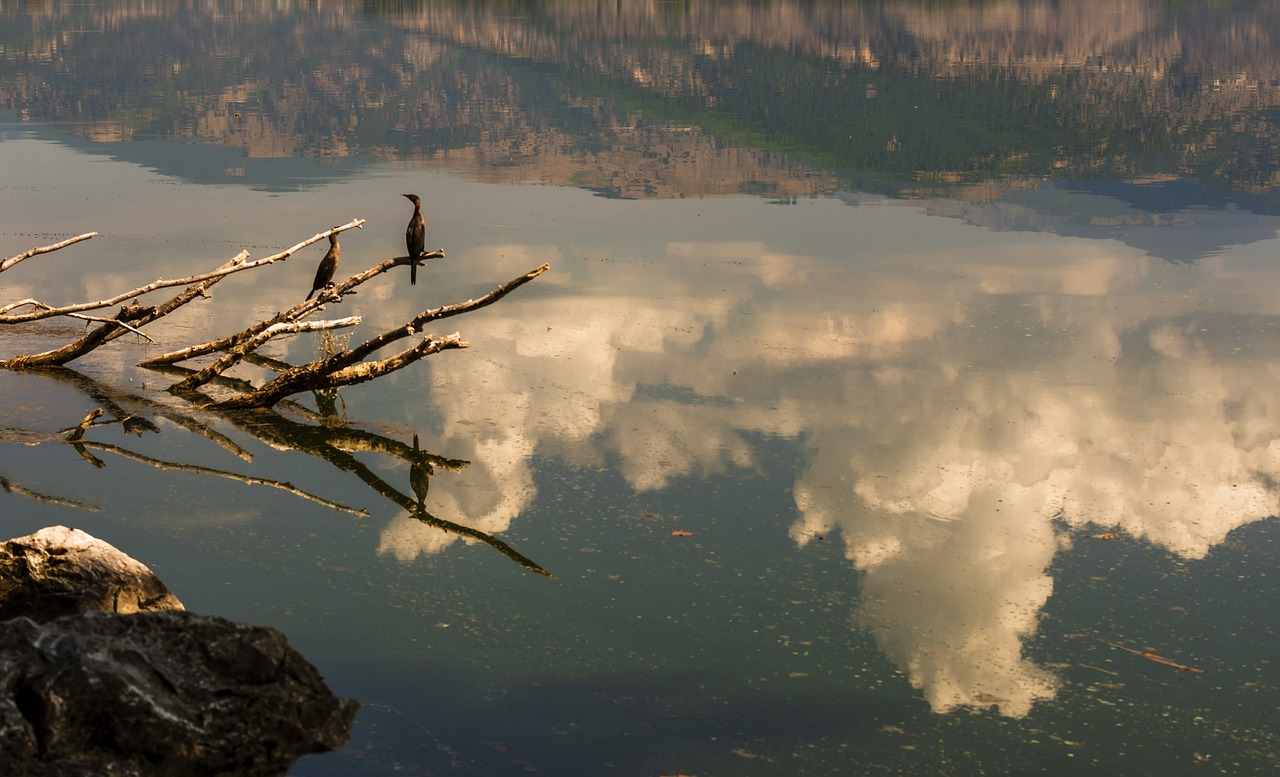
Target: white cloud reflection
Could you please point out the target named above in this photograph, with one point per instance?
(963, 412)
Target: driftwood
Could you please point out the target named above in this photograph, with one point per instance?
(238, 263)
(322, 377)
(250, 408)
(347, 368)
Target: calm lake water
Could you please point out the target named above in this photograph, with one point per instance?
(901, 398)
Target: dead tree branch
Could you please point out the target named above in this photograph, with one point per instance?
(11, 261)
(238, 352)
(414, 325)
(297, 312)
(312, 377)
(237, 264)
(344, 369)
(134, 314)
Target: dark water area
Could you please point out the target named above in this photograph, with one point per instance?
(899, 399)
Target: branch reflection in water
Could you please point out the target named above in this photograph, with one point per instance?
(335, 444)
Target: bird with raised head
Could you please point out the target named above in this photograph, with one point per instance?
(328, 266)
(415, 238)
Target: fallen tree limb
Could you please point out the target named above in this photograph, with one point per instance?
(347, 367)
(237, 264)
(129, 315)
(297, 312)
(11, 261)
(246, 346)
(366, 348)
(311, 377)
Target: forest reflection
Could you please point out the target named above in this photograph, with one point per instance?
(649, 99)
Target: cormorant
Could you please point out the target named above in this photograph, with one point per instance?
(415, 238)
(328, 266)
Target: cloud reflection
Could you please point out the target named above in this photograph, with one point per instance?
(962, 415)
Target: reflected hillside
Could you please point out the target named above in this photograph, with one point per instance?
(658, 100)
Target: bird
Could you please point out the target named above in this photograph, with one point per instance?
(420, 473)
(415, 237)
(328, 266)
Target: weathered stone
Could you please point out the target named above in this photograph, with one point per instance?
(162, 693)
(59, 571)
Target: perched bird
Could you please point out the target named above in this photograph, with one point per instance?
(420, 473)
(328, 266)
(415, 237)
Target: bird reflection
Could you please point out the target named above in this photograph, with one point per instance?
(420, 473)
(415, 238)
(327, 405)
(328, 266)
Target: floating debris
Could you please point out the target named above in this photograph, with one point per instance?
(1158, 659)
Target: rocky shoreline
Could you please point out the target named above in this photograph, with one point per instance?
(104, 672)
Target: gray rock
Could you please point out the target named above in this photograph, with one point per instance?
(159, 693)
(59, 571)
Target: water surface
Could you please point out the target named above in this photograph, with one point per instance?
(899, 366)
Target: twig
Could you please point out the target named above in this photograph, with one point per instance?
(116, 321)
(11, 261)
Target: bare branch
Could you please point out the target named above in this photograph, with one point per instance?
(415, 324)
(76, 432)
(299, 311)
(345, 368)
(312, 377)
(115, 321)
(11, 261)
(235, 265)
(234, 355)
(115, 327)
